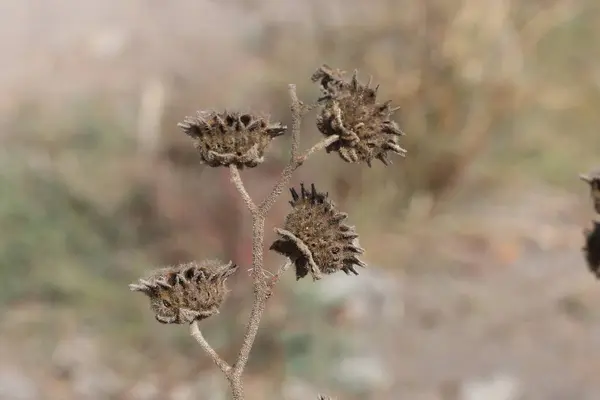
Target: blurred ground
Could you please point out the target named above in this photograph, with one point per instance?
(476, 289)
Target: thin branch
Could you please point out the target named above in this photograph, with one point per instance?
(197, 334)
(316, 148)
(286, 174)
(239, 185)
(296, 108)
(274, 280)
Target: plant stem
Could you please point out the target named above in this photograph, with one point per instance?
(258, 307)
(197, 334)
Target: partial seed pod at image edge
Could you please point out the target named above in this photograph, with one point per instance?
(315, 238)
(228, 138)
(187, 292)
(593, 179)
(350, 110)
(591, 249)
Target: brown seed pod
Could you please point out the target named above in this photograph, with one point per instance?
(315, 238)
(591, 250)
(350, 110)
(593, 179)
(231, 138)
(188, 292)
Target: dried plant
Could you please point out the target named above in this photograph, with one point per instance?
(591, 248)
(349, 110)
(314, 237)
(224, 139)
(188, 292)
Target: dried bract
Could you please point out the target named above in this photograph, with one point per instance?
(593, 179)
(591, 249)
(351, 111)
(231, 138)
(315, 238)
(188, 292)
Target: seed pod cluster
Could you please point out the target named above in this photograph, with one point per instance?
(229, 138)
(188, 292)
(315, 238)
(351, 111)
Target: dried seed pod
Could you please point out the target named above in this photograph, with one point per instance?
(350, 110)
(591, 249)
(188, 292)
(231, 138)
(593, 179)
(315, 238)
(323, 397)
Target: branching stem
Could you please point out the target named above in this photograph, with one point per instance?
(197, 334)
(262, 286)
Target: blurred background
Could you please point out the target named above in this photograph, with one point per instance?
(476, 289)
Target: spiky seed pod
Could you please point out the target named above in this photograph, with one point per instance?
(593, 179)
(188, 292)
(315, 238)
(322, 397)
(350, 110)
(231, 137)
(591, 249)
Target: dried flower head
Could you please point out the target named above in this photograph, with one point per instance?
(591, 249)
(314, 237)
(593, 179)
(231, 138)
(350, 110)
(187, 292)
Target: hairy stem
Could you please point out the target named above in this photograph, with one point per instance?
(286, 174)
(239, 185)
(296, 108)
(258, 307)
(197, 334)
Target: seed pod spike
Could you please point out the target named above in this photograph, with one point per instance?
(295, 196)
(303, 191)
